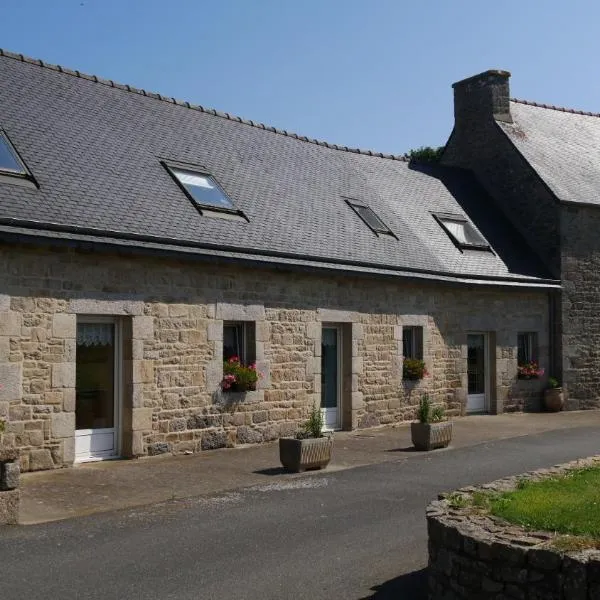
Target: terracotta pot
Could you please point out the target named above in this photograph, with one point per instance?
(428, 436)
(300, 455)
(554, 399)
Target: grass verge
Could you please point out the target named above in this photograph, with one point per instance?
(568, 505)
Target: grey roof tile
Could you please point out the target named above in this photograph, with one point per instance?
(94, 147)
(561, 145)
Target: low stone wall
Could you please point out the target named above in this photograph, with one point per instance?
(475, 555)
(9, 486)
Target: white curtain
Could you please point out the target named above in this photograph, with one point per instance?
(457, 230)
(95, 334)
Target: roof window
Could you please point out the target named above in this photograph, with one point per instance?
(204, 191)
(461, 232)
(9, 159)
(370, 218)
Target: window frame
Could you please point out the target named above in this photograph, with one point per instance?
(354, 204)
(532, 344)
(171, 166)
(8, 174)
(417, 334)
(440, 217)
(247, 343)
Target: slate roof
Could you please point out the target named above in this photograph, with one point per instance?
(94, 148)
(561, 145)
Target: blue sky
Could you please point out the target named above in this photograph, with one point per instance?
(374, 74)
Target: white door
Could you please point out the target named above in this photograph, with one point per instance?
(477, 359)
(97, 389)
(331, 376)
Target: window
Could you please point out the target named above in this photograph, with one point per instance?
(412, 342)
(461, 232)
(370, 218)
(10, 163)
(239, 339)
(202, 188)
(527, 350)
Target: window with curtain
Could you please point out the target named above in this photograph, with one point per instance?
(239, 340)
(461, 232)
(527, 350)
(412, 342)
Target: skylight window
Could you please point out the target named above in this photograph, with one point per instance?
(461, 232)
(9, 159)
(202, 188)
(370, 218)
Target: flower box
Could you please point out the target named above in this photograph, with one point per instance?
(413, 369)
(530, 370)
(238, 377)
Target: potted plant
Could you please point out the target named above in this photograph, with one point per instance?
(554, 399)
(432, 430)
(310, 449)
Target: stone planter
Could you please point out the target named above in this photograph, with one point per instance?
(9, 486)
(429, 436)
(554, 399)
(300, 455)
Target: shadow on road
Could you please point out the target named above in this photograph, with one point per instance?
(410, 586)
(406, 449)
(272, 471)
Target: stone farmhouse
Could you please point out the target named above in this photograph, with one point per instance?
(144, 241)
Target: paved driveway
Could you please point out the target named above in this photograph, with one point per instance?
(348, 534)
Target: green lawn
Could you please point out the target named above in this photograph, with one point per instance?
(569, 504)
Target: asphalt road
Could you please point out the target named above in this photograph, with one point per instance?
(353, 534)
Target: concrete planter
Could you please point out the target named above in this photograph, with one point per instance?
(429, 436)
(554, 399)
(300, 455)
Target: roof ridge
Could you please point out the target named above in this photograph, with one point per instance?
(198, 107)
(559, 108)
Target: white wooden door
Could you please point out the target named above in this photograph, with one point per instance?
(477, 359)
(97, 389)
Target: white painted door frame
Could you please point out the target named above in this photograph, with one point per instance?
(480, 403)
(332, 417)
(85, 437)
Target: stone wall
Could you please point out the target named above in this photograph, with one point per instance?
(171, 314)
(474, 555)
(581, 305)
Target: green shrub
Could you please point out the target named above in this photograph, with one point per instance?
(425, 154)
(313, 427)
(426, 413)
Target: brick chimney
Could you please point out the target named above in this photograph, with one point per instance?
(481, 98)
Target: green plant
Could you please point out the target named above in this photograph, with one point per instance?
(553, 383)
(437, 414)
(313, 427)
(238, 377)
(2, 425)
(413, 369)
(424, 410)
(457, 500)
(427, 413)
(425, 154)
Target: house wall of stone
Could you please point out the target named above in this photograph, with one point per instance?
(581, 305)
(172, 315)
